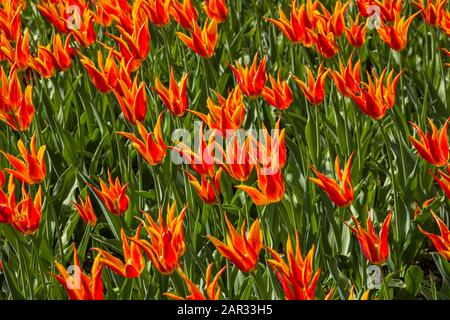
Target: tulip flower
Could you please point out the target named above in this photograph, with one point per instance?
(445, 22)
(158, 11)
(216, 9)
(26, 215)
(364, 7)
(207, 189)
(105, 76)
(80, 286)
(297, 276)
(241, 249)
(280, 95)
(61, 54)
(432, 147)
(86, 211)
(443, 181)
(364, 296)
(20, 55)
(396, 35)
(375, 248)
(341, 194)
(375, 98)
(166, 243)
(109, 10)
(43, 63)
(32, 169)
(239, 162)
(324, 42)
(7, 199)
(270, 187)
(432, 11)
(84, 33)
(301, 20)
(132, 100)
(10, 22)
(114, 196)
(152, 147)
(184, 13)
(134, 260)
(212, 287)
(348, 78)
(201, 160)
(271, 154)
(174, 97)
(313, 89)
(442, 242)
(251, 80)
(389, 8)
(336, 22)
(228, 115)
(202, 41)
(356, 33)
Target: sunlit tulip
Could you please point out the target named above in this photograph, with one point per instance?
(184, 13)
(7, 199)
(216, 9)
(78, 285)
(375, 97)
(297, 277)
(396, 35)
(175, 97)
(280, 95)
(202, 41)
(85, 33)
(431, 11)
(212, 288)
(340, 193)
(347, 79)
(27, 213)
(238, 161)
(105, 76)
(336, 22)
(389, 9)
(43, 63)
(314, 89)
(114, 196)
(442, 242)
(356, 33)
(85, 210)
(10, 22)
(166, 241)
(133, 257)
(151, 146)
(132, 100)
(324, 42)
(251, 80)
(61, 54)
(241, 249)
(445, 22)
(433, 147)
(32, 169)
(208, 189)
(271, 148)
(158, 11)
(375, 248)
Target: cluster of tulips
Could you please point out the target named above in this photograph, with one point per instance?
(116, 70)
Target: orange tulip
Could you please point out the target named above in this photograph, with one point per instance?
(132, 100)
(241, 249)
(280, 95)
(134, 260)
(105, 76)
(86, 211)
(80, 286)
(158, 11)
(272, 153)
(20, 55)
(61, 54)
(442, 242)
(445, 22)
(85, 34)
(238, 162)
(335, 21)
(7, 199)
(270, 188)
(432, 11)
(228, 115)
(348, 78)
(314, 90)
(212, 287)
(152, 147)
(396, 35)
(206, 188)
(16, 108)
(251, 81)
(113, 197)
(174, 97)
(109, 10)
(166, 243)
(297, 276)
(202, 41)
(216, 9)
(301, 20)
(32, 169)
(10, 22)
(443, 181)
(201, 160)
(26, 215)
(356, 33)
(389, 8)
(432, 147)
(324, 42)
(375, 248)
(375, 98)
(363, 7)
(43, 64)
(341, 194)
(184, 13)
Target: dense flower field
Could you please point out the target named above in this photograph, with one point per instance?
(224, 149)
